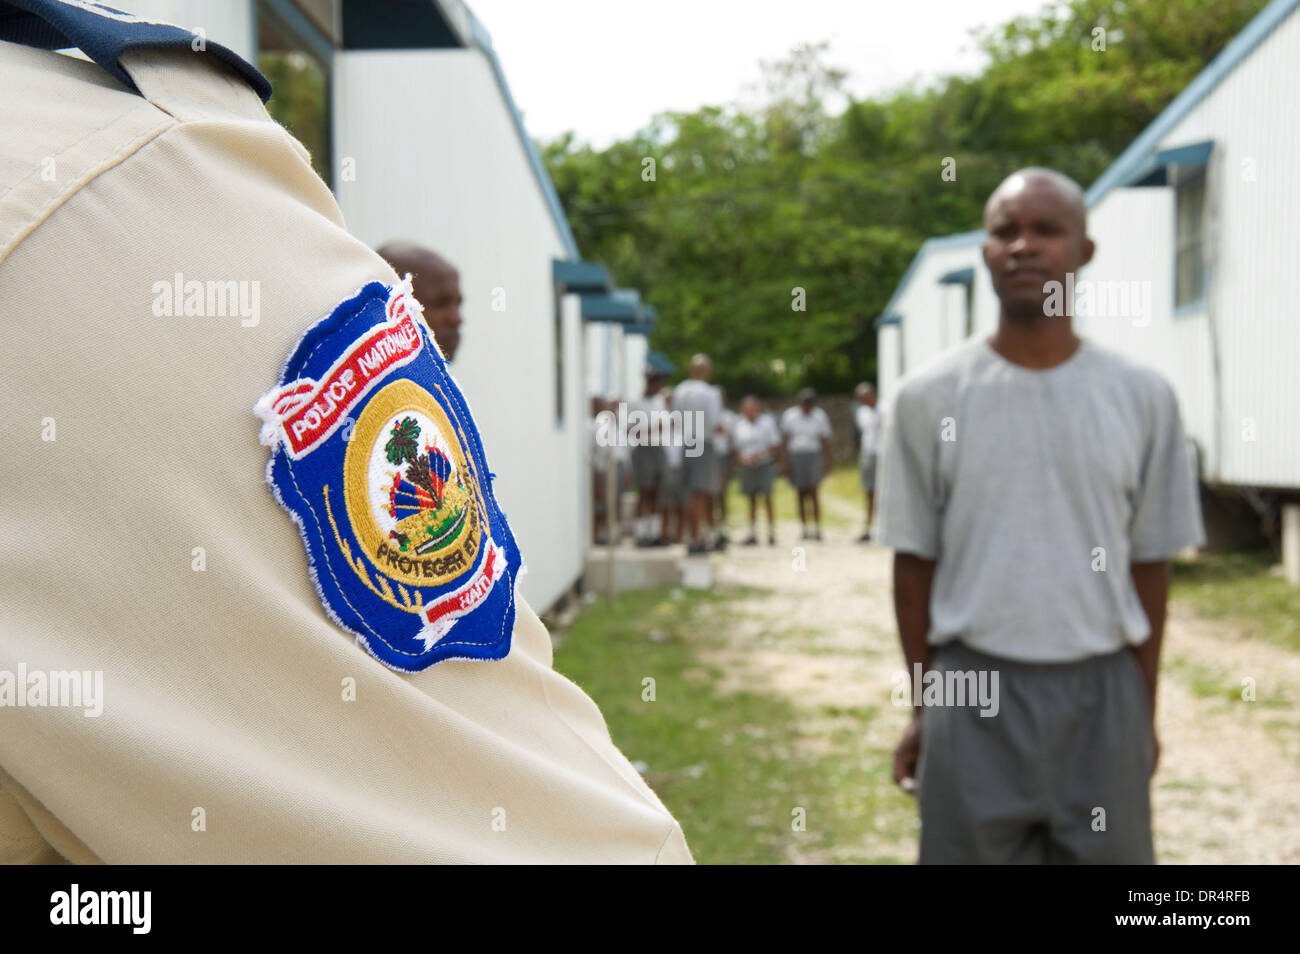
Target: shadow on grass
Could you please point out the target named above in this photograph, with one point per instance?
(735, 768)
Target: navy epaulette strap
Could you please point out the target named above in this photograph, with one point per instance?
(104, 34)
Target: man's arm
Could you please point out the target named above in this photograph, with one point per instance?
(913, 579)
(1152, 583)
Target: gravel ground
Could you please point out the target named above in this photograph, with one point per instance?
(823, 636)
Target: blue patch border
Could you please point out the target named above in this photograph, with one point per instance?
(294, 501)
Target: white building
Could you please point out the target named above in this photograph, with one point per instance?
(405, 107)
(1197, 227)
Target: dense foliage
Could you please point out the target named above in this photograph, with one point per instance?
(749, 202)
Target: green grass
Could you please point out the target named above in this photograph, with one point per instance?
(842, 503)
(731, 766)
(1238, 586)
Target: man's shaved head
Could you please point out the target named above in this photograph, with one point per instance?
(1037, 235)
(436, 284)
(1040, 177)
(701, 367)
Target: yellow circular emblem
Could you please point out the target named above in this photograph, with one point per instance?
(411, 496)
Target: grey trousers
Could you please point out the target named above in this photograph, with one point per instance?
(1060, 775)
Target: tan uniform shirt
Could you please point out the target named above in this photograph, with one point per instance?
(129, 444)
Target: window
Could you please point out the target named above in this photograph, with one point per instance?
(559, 359)
(294, 57)
(970, 307)
(1189, 237)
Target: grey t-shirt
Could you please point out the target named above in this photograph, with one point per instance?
(1034, 491)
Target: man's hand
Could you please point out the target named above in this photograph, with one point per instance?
(908, 753)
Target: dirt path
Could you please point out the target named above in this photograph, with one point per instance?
(820, 632)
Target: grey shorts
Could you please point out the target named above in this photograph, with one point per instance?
(867, 469)
(757, 479)
(1061, 774)
(648, 466)
(726, 470)
(807, 468)
(700, 473)
(670, 487)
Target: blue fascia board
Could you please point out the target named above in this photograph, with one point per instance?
(658, 361)
(1195, 154)
(1135, 161)
(960, 240)
(582, 278)
(607, 308)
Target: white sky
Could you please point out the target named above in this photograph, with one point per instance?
(603, 67)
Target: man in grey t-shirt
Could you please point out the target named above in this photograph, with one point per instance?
(1034, 486)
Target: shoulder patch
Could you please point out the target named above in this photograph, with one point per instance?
(375, 456)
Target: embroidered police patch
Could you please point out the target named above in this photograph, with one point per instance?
(377, 459)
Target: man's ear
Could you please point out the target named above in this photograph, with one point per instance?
(1089, 247)
(984, 251)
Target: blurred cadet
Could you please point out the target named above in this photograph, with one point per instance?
(648, 461)
(866, 420)
(334, 668)
(696, 398)
(725, 463)
(1034, 486)
(437, 288)
(806, 433)
(756, 441)
(608, 443)
(673, 495)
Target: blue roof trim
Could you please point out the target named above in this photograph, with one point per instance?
(583, 278)
(1196, 154)
(659, 362)
(928, 246)
(609, 308)
(1135, 161)
(649, 317)
(484, 42)
(960, 276)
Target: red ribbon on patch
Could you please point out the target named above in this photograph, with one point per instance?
(472, 593)
(304, 413)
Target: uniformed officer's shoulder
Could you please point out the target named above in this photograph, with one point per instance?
(66, 118)
(62, 121)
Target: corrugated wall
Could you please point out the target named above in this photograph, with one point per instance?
(1253, 116)
(438, 161)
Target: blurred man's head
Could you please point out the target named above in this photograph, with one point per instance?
(1037, 229)
(865, 394)
(750, 407)
(701, 367)
(436, 284)
(654, 381)
(807, 399)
